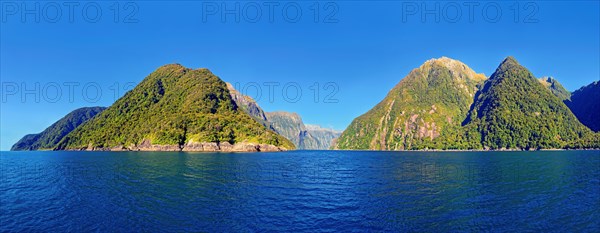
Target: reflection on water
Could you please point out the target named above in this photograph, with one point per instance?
(300, 191)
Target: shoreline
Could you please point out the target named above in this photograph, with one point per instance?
(271, 149)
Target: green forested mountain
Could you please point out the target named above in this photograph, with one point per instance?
(48, 138)
(555, 87)
(175, 108)
(424, 110)
(585, 104)
(515, 111)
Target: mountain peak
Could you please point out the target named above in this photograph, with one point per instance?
(455, 66)
(171, 66)
(510, 59)
(508, 63)
(446, 61)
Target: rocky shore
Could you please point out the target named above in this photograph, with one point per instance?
(194, 146)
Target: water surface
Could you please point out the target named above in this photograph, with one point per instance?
(316, 191)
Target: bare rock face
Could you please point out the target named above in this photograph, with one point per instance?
(247, 104)
(201, 146)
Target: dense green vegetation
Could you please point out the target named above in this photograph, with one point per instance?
(424, 110)
(429, 109)
(514, 111)
(172, 106)
(585, 104)
(48, 138)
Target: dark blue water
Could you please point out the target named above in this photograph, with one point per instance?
(316, 191)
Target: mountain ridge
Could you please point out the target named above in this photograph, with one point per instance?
(585, 104)
(48, 138)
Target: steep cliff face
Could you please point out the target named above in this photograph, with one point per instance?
(248, 104)
(309, 137)
(319, 138)
(430, 101)
(289, 125)
(175, 108)
(48, 138)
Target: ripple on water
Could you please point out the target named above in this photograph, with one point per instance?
(325, 191)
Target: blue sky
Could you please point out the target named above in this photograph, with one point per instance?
(355, 51)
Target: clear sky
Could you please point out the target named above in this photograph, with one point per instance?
(356, 51)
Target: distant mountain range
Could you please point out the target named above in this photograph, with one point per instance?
(443, 104)
(308, 137)
(289, 125)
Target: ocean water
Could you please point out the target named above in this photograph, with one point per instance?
(300, 191)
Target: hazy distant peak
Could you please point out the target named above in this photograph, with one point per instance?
(287, 114)
(318, 127)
